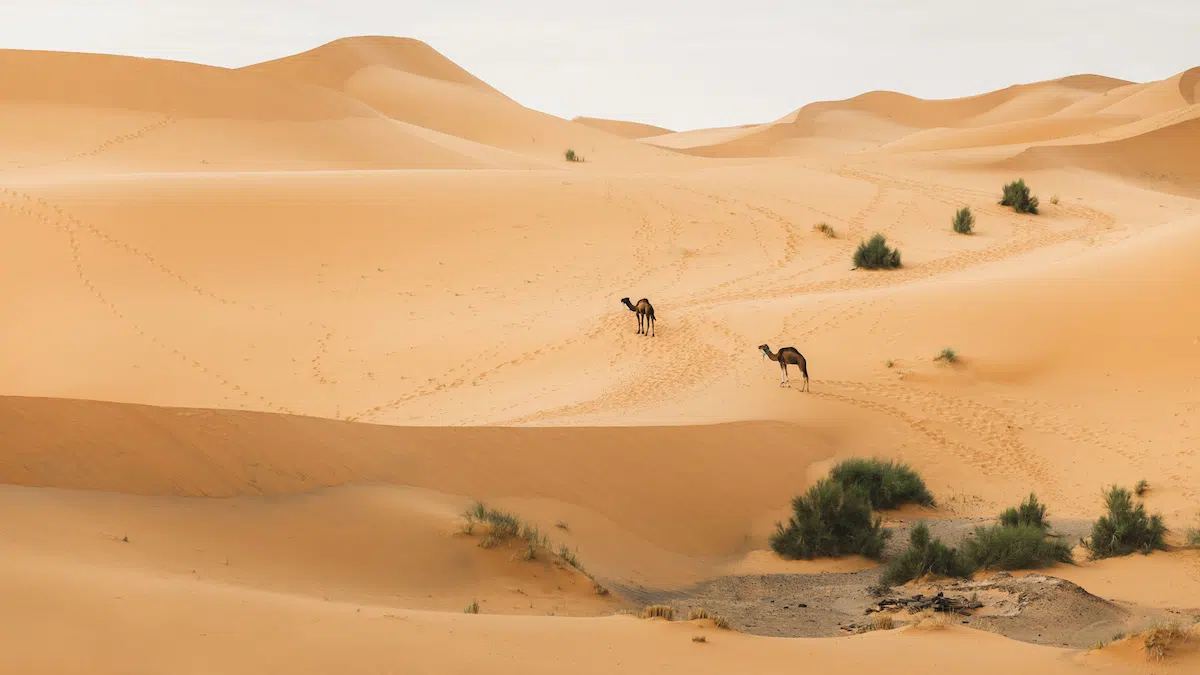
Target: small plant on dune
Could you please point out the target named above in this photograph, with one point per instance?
(1141, 487)
(1016, 195)
(1160, 639)
(501, 528)
(825, 229)
(1030, 513)
(561, 525)
(888, 484)
(1020, 547)
(1125, 528)
(658, 612)
(698, 613)
(890, 363)
(1054, 199)
(948, 355)
(831, 520)
(926, 556)
(879, 622)
(1193, 536)
(720, 622)
(875, 254)
(699, 638)
(571, 156)
(472, 608)
(964, 221)
(598, 589)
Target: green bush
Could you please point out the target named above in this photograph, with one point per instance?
(964, 220)
(1030, 513)
(1016, 195)
(1015, 547)
(926, 556)
(831, 520)
(571, 156)
(875, 254)
(1125, 528)
(887, 483)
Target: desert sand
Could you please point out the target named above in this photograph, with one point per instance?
(268, 332)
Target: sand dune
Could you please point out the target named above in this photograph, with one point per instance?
(269, 331)
(623, 128)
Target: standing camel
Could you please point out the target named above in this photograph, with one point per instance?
(786, 356)
(643, 309)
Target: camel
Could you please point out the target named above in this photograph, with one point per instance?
(786, 356)
(643, 309)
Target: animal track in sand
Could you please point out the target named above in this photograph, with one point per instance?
(104, 146)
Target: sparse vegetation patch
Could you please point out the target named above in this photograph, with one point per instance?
(1125, 528)
(658, 612)
(1016, 195)
(964, 221)
(1160, 639)
(572, 156)
(825, 229)
(875, 254)
(926, 556)
(948, 355)
(831, 520)
(888, 484)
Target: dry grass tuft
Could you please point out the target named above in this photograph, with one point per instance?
(598, 589)
(720, 622)
(658, 611)
(1160, 639)
(699, 638)
(698, 613)
(825, 229)
(931, 620)
(472, 608)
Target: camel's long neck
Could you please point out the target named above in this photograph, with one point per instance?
(771, 355)
(630, 306)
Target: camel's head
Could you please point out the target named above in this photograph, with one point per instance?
(625, 301)
(765, 350)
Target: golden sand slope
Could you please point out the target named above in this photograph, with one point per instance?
(368, 233)
(625, 129)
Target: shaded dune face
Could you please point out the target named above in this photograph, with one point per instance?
(269, 333)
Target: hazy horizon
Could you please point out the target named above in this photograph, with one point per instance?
(643, 62)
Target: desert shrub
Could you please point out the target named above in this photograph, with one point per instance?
(1193, 537)
(1141, 487)
(720, 622)
(879, 622)
(888, 484)
(1029, 513)
(1016, 195)
(1125, 528)
(825, 229)
(1159, 640)
(698, 613)
(948, 355)
(1015, 547)
(964, 220)
(658, 611)
(875, 254)
(831, 520)
(472, 608)
(926, 556)
(1054, 199)
(699, 638)
(571, 156)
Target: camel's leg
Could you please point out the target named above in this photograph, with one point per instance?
(782, 373)
(639, 317)
(651, 326)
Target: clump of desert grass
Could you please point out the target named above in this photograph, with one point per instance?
(658, 612)
(927, 556)
(472, 608)
(831, 520)
(964, 221)
(948, 355)
(697, 613)
(1020, 541)
(500, 528)
(875, 254)
(889, 484)
(878, 622)
(1160, 639)
(825, 229)
(1054, 199)
(1016, 194)
(1141, 487)
(571, 156)
(1125, 528)
(699, 638)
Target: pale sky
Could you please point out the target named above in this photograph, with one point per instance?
(682, 65)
